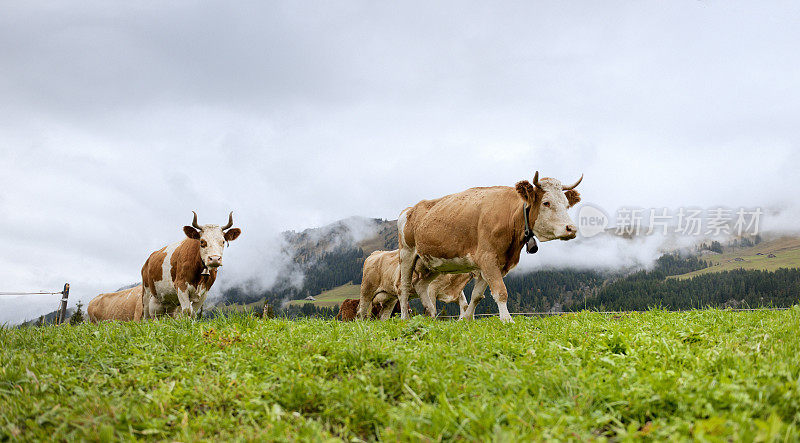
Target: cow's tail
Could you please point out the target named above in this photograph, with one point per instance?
(401, 227)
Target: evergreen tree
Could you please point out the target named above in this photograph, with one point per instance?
(77, 317)
(269, 312)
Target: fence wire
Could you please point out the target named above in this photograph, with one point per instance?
(31, 293)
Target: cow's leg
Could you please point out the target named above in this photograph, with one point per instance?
(475, 298)
(427, 289)
(499, 292)
(155, 308)
(146, 296)
(365, 300)
(197, 306)
(388, 307)
(186, 304)
(408, 260)
(462, 305)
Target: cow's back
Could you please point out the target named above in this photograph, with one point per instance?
(448, 227)
(125, 305)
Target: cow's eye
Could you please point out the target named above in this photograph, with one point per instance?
(546, 204)
(203, 243)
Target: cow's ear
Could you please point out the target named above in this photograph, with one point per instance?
(525, 191)
(232, 234)
(573, 197)
(191, 232)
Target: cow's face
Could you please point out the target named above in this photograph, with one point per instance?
(553, 200)
(212, 240)
(554, 222)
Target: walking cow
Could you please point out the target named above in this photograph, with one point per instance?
(481, 230)
(176, 278)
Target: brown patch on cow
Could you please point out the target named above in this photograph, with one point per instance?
(573, 197)
(152, 269)
(232, 234)
(186, 267)
(347, 311)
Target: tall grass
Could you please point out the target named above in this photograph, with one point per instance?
(700, 374)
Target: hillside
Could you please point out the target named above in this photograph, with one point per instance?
(330, 259)
(702, 375)
(333, 297)
(326, 258)
(770, 255)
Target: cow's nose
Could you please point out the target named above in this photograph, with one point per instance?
(215, 260)
(571, 229)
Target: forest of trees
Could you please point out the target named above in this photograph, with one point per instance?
(335, 268)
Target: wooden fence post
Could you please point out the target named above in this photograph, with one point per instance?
(62, 314)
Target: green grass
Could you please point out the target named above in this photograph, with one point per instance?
(333, 297)
(785, 249)
(709, 375)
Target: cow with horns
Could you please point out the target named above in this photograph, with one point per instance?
(176, 278)
(481, 230)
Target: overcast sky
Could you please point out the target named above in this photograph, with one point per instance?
(117, 121)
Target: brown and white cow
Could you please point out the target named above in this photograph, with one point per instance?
(124, 305)
(176, 278)
(481, 230)
(380, 284)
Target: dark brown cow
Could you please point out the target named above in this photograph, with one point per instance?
(349, 308)
(176, 278)
(481, 230)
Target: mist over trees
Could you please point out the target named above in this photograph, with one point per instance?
(325, 261)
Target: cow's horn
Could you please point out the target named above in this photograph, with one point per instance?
(194, 222)
(536, 180)
(567, 188)
(230, 221)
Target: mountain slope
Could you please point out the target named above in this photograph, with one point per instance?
(771, 255)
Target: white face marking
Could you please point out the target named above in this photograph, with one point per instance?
(212, 243)
(553, 218)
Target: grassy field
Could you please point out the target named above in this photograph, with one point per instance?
(709, 375)
(333, 296)
(785, 249)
